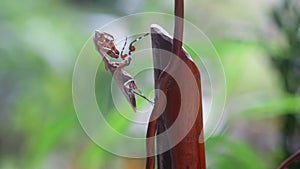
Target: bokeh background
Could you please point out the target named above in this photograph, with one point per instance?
(258, 42)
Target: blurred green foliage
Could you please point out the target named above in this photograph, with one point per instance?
(287, 19)
(41, 39)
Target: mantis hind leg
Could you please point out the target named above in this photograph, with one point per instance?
(133, 86)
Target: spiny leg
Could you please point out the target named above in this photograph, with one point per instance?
(144, 97)
(125, 55)
(133, 86)
(131, 46)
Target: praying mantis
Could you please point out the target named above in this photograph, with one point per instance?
(105, 45)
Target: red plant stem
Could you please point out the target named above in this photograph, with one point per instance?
(164, 80)
(291, 159)
(178, 29)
